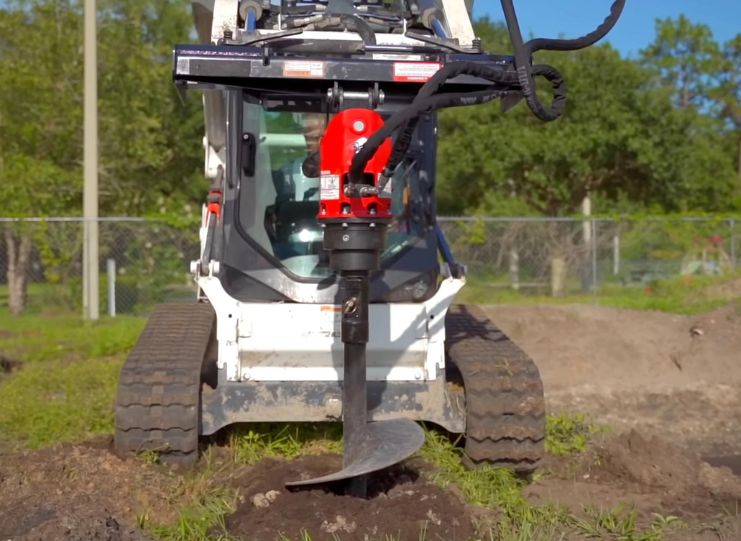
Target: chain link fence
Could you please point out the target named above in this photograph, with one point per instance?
(144, 262)
(566, 256)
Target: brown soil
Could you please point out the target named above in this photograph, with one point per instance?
(401, 504)
(675, 376)
(668, 385)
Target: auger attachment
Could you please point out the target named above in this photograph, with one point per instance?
(355, 215)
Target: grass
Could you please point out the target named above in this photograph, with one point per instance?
(51, 402)
(64, 391)
(251, 443)
(32, 338)
(568, 433)
(679, 295)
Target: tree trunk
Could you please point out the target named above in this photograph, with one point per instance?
(19, 263)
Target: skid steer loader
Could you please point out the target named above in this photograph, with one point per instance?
(325, 285)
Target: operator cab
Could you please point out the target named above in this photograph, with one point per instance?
(277, 241)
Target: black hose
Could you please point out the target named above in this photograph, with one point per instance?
(585, 41)
(526, 72)
(406, 131)
(418, 107)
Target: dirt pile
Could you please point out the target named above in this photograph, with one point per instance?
(675, 376)
(401, 504)
(80, 492)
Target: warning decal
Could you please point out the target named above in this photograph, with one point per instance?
(414, 72)
(303, 68)
(330, 187)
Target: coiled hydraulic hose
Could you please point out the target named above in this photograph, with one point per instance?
(524, 76)
(526, 72)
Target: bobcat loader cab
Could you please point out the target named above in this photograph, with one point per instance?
(325, 286)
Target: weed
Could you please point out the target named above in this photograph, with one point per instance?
(620, 524)
(251, 443)
(568, 433)
(150, 456)
(202, 520)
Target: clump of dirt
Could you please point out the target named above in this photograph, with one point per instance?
(654, 475)
(401, 504)
(7, 365)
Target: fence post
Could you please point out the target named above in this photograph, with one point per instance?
(514, 269)
(594, 256)
(733, 243)
(111, 270)
(616, 254)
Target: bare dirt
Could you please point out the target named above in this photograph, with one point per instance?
(668, 386)
(678, 377)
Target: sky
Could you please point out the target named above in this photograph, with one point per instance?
(634, 31)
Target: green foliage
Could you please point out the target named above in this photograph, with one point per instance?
(623, 138)
(568, 434)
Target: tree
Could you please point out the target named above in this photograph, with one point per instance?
(40, 115)
(728, 95)
(686, 58)
(149, 142)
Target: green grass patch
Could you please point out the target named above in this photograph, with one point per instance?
(31, 338)
(201, 520)
(568, 433)
(65, 387)
(55, 401)
(679, 295)
(621, 524)
(253, 442)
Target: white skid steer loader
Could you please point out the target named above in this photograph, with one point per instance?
(325, 285)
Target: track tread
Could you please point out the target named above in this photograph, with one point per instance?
(505, 407)
(158, 400)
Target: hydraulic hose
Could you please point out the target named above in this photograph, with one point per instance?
(427, 101)
(421, 102)
(526, 72)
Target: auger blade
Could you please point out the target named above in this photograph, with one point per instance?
(382, 444)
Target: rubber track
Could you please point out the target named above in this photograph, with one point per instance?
(505, 407)
(158, 402)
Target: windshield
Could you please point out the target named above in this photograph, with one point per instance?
(279, 203)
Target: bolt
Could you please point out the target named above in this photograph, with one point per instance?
(351, 305)
(345, 238)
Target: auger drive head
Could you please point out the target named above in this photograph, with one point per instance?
(324, 283)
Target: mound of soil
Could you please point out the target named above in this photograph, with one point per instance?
(401, 504)
(78, 492)
(678, 377)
